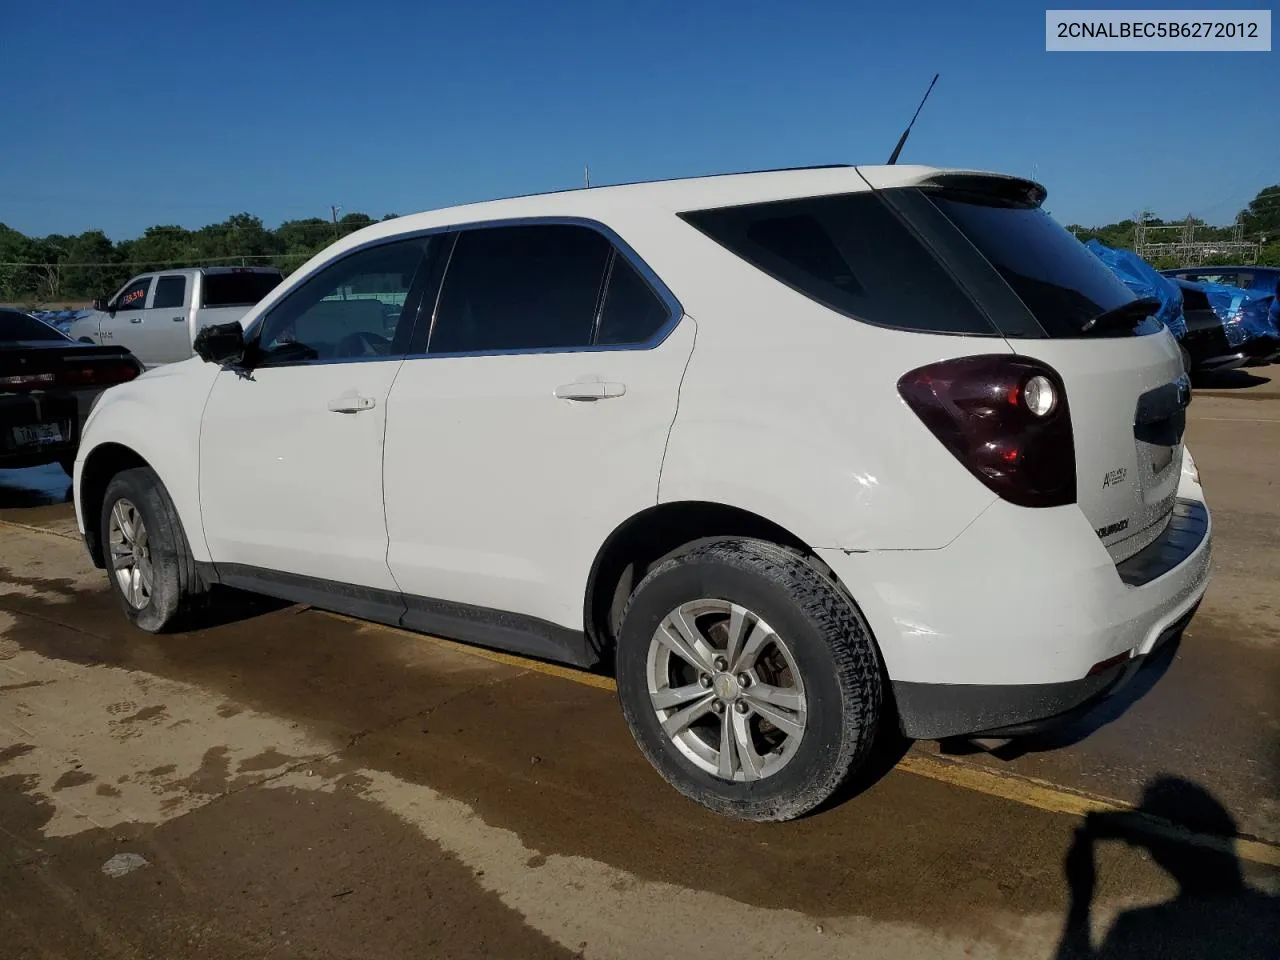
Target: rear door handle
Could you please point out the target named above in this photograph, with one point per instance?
(178, 319)
(351, 404)
(135, 319)
(590, 390)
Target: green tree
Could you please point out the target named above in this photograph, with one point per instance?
(1261, 217)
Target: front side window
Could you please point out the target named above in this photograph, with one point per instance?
(359, 307)
(850, 253)
(171, 292)
(527, 287)
(134, 296)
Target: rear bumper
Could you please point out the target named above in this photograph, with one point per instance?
(1024, 620)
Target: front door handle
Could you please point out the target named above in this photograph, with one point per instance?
(590, 390)
(135, 319)
(351, 404)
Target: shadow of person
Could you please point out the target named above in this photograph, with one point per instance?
(1214, 914)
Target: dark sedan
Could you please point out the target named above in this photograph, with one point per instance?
(1208, 343)
(48, 383)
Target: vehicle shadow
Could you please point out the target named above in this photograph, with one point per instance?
(1228, 380)
(226, 606)
(1188, 833)
(1074, 732)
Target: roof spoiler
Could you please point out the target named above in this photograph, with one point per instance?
(1012, 190)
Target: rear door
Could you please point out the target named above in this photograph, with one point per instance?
(533, 425)
(1125, 384)
(167, 337)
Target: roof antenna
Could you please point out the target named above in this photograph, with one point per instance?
(586, 174)
(902, 141)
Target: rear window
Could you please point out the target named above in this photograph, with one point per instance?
(237, 289)
(16, 326)
(848, 252)
(1060, 281)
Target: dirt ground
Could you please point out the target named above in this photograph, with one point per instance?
(293, 784)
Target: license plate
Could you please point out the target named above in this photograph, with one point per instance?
(37, 434)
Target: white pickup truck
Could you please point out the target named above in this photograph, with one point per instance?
(157, 315)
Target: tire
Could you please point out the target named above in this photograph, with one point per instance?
(1186, 359)
(177, 592)
(830, 661)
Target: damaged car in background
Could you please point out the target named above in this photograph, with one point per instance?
(1219, 326)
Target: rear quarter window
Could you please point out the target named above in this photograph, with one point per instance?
(237, 289)
(848, 252)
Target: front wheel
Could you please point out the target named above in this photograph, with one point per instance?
(748, 680)
(148, 560)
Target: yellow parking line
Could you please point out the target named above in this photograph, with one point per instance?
(1028, 791)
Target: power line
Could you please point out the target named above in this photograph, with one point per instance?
(185, 261)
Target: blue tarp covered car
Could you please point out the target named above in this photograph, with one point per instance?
(1145, 281)
(1245, 315)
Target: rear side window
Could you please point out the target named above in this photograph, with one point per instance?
(170, 292)
(1054, 274)
(632, 312)
(530, 287)
(848, 252)
(237, 289)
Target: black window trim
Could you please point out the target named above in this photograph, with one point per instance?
(419, 335)
(675, 312)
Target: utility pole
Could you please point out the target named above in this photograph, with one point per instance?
(333, 211)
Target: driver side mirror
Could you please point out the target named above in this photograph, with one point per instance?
(102, 305)
(221, 343)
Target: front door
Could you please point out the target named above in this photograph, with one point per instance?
(121, 326)
(291, 451)
(534, 424)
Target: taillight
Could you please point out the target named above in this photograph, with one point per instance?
(1006, 419)
(102, 373)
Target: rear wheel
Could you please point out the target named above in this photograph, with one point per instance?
(748, 680)
(148, 559)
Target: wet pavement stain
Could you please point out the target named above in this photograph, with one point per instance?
(15, 750)
(72, 778)
(264, 872)
(146, 713)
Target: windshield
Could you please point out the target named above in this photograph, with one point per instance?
(15, 326)
(1060, 281)
(237, 289)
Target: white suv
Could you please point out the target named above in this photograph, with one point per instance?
(796, 454)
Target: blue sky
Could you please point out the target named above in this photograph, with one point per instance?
(142, 113)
